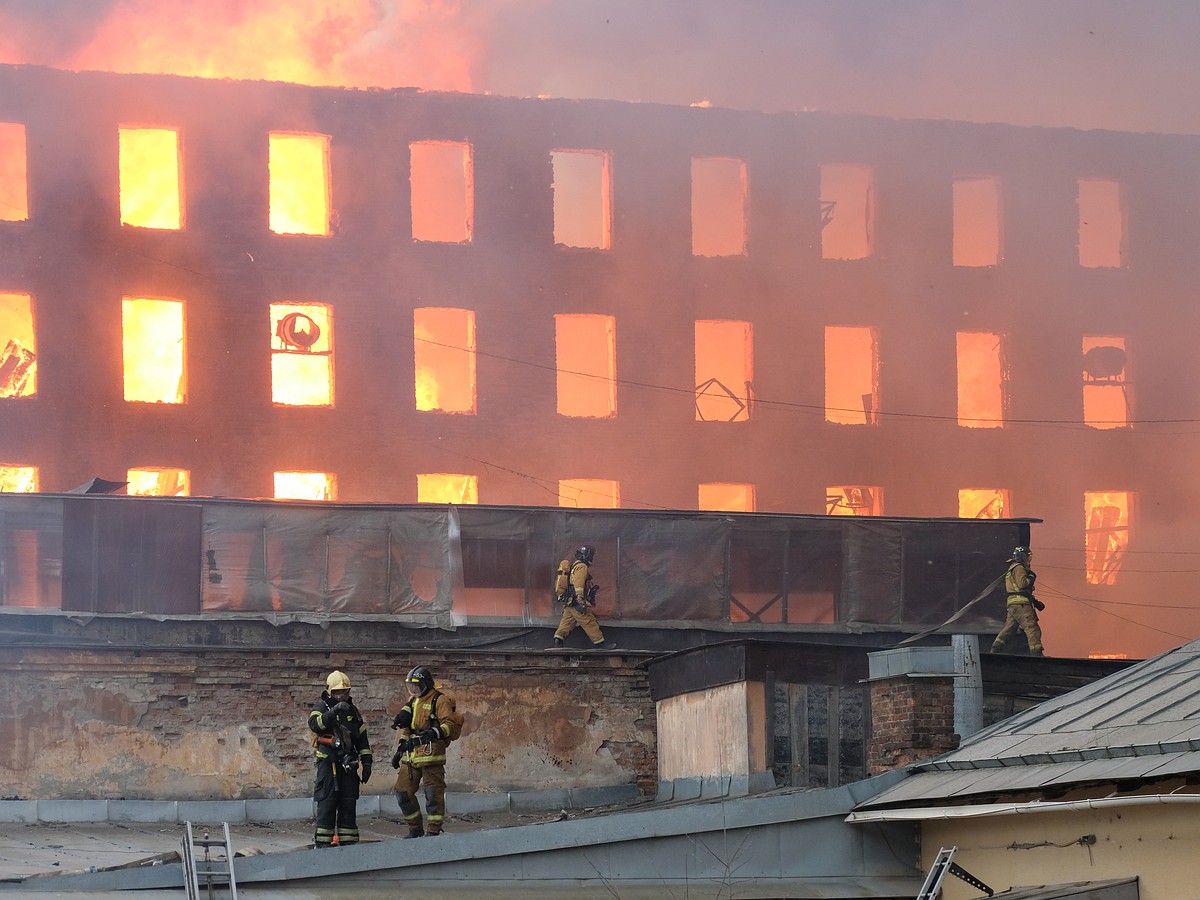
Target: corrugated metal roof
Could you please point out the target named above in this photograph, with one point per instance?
(1140, 723)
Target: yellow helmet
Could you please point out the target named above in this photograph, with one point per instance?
(337, 681)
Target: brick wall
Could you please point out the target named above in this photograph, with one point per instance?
(221, 724)
(911, 719)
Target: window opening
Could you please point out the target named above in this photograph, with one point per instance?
(1107, 536)
(18, 479)
(976, 236)
(983, 503)
(442, 183)
(305, 486)
(1101, 224)
(159, 482)
(589, 493)
(719, 199)
(1105, 387)
(18, 349)
(585, 357)
(441, 487)
(14, 174)
(301, 354)
(149, 178)
(982, 379)
(724, 371)
(444, 351)
(853, 500)
(153, 350)
(851, 375)
(726, 497)
(582, 198)
(299, 194)
(847, 211)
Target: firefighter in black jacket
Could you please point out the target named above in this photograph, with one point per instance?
(339, 738)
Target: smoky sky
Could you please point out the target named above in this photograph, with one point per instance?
(1115, 64)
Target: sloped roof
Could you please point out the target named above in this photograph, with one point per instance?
(1138, 724)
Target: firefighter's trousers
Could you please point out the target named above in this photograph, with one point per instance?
(408, 781)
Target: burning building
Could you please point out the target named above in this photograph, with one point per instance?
(264, 290)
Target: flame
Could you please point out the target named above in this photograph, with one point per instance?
(585, 355)
(726, 497)
(851, 375)
(1105, 402)
(18, 479)
(149, 178)
(305, 486)
(590, 493)
(446, 488)
(159, 482)
(18, 353)
(976, 227)
(429, 44)
(302, 374)
(1107, 517)
(853, 500)
(444, 350)
(1097, 655)
(980, 380)
(299, 183)
(14, 179)
(724, 371)
(982, 503)
(153, 350)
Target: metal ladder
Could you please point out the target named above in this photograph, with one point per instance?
(215, 871)
(932, 888)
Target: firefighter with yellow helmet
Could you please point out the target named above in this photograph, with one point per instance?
(427, 724)
(1022, 607)
(339, 739)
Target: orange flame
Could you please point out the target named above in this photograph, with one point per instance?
(428, 44)
(299, 183)
(14, 184)
(153, 350)
(149, 178)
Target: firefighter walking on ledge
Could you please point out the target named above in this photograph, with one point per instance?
(576, 592)
(1022, 607)
(427, 724)
(339, 739)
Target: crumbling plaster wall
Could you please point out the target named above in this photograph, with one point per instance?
(144, 724)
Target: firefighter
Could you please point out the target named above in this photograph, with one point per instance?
(578, 602)
(339, 739)
(426, 725)
(1022, 607)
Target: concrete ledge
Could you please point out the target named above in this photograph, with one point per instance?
(715, 786)
(72, 810)
(18, 811)
(239, 812)
(147, 811)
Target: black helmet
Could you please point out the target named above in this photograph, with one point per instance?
(587, 554)
(422, 678)
(1020, 555)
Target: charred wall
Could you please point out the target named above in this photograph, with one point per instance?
(77, 262)
(130, 723)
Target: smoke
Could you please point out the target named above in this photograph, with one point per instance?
(1080, 63)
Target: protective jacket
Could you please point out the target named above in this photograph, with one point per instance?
(432, 710)
(323, 722)
(1018, 582)
(581, 579)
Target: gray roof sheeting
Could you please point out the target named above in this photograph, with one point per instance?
(1140, 723)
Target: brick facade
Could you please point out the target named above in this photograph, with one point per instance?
(911, 719)
(223, 724)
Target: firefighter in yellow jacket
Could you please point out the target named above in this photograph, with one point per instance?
(339, 738)
(1022, 607)
(578, 600)
(426, 724)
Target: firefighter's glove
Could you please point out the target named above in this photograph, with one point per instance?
(1039, 605)
(366, 770)
(396, 758)
(429, 735)
(396, 721)
(342, 709)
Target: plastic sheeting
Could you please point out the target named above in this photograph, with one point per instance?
(435, 565)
